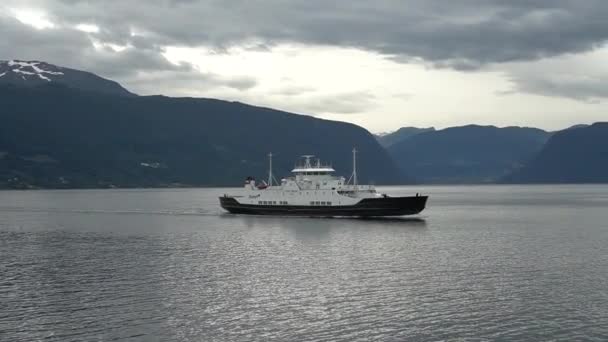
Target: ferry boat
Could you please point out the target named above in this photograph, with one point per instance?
(314, 190)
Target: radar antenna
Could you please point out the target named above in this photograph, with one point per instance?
(307, 158)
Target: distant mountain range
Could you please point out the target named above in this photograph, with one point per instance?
(65, 128)
(402, 133)
(575, 155)
(468, 154)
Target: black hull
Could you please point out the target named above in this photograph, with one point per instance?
(368, 207)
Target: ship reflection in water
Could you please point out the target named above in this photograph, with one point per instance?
(319, 223)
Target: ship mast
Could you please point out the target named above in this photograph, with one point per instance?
(270, 169)
(355, 168)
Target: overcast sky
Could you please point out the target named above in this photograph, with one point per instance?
(380, 64)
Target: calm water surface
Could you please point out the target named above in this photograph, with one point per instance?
(481, 263)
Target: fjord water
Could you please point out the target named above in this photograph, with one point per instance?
(481, 263)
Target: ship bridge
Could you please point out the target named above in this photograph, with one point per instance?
(309, 169)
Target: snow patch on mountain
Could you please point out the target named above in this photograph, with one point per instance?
(31, 68)
(35, 73)
(24, 72)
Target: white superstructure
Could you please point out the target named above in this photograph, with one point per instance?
(312, 183)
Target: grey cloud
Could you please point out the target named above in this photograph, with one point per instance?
(293, 90)
(581, 88)
(344, 103)
(582, 77)
(25, 42)
(73, 48)
(134, 66)
(182, 83)
(463, 34)
(311, 103)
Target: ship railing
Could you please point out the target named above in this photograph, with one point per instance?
(358, 188)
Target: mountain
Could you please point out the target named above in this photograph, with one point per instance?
(56, 136)
(36, 73)
(574, 155)
(402, 133)
(578, 126)
(468, 154)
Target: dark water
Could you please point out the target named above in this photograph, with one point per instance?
(482, 263)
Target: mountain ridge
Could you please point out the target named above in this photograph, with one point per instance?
(402, 133)
(36, 73)
(467, 154)
(101, 135)
(574, 155)
(105, 140)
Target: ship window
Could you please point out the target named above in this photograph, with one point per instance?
(259, 202)
(328, 203)
(312, 203)
(322, 203)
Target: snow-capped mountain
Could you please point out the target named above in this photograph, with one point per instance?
(37, 73)
(29, 71)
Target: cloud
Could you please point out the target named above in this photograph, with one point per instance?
(139, 64)
(463, 34)
(130, 37)
(184, 83)
(294, 90)
(340, 103)
(581, 77)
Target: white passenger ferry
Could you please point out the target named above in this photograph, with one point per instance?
(314, 190)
